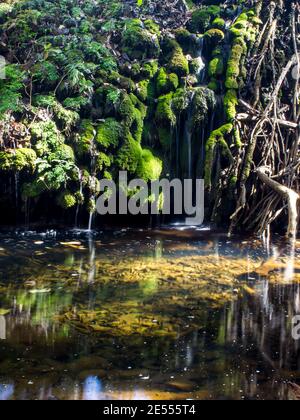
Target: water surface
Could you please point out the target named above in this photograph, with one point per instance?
(170, 314)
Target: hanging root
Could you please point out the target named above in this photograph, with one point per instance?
(286, 193)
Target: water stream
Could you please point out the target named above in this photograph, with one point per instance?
(180, 314)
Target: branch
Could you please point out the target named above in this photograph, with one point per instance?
(286, 193)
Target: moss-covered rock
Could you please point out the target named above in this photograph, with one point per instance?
(109, 133)
(216, 67)
(85, 138)
(18, 160)
(214, 35)
(66, 200)
(202, 18)
(149, 167)
(129, 155)
(140, 41)
(164, 112)
(178, 63)
(103, 161)
(166, 82)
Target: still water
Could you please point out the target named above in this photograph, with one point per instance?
(144, 314)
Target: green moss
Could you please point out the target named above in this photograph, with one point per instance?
(233, 67)
(127, 110)
(109, 133)
(237, 137)
(219, 23)
(164, 112)
(85, 138)
(129, 155)
(202, 18)
(165, 137)
(18, 160)
(216, 67)
(149, 69)
(66, 200)
(217, 137)
(33, 189)
(142, 90)
(215, 35)
(166, 82)
(213, 85)
(152, 27)
(178, 62)
(103, 161)
(230, 104)
(204, 102)
(184, 38)
(140, 42)
(66, 118)
(149, 167)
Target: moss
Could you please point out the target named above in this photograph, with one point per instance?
(230, 104)
(202, 18)
(204, 102)
(85, 138)
(122, 82)
(142, 90)
(184, 38)
(164, 112)
(66, 200)
(149, 167)
(149, 69)
(137, 125)
(217, 137)
(152, 27)
(103, 161)
(165, 137)
(129, 155)
(127, 110)
(233, 67)
(216, 67)
(140, 42)
(219, 23)
(67, 152)
(215, 35)
(237, 137)
(109, 133)
(178, 63)
(66, 118)
(33, 189)
(18, 160)
(166, 82)
(213, 85)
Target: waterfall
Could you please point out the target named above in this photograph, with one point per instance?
(200, 60)
(80, 193)
(188, 134)
(93, 151)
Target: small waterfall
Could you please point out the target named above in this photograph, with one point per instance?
(200, 60)
(188, 134)
(93, 174)
(91, 217)
(80, 193)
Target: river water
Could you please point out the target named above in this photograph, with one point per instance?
(139, 314)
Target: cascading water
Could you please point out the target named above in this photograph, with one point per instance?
(80, 194)
(200, 60)
(188, 133)
(93, 180)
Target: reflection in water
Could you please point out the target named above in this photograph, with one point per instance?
(147, 316)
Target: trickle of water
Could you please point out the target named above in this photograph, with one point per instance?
(200, 60)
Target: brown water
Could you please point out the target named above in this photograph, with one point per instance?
(147, 315)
